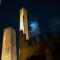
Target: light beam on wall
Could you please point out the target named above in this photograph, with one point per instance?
(24, 22)
(21, 20)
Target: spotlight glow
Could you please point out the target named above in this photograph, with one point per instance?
(21, 20)
(35, 31)
(34, 25)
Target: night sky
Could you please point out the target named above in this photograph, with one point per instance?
(46, 11)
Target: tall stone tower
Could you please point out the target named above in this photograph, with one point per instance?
(23, 21)
(9, 45)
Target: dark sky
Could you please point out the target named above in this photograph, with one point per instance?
(43, 10)
(40, 9)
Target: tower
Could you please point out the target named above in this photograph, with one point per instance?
(9, 45)
(23, 21)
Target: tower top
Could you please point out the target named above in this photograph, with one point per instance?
(23, 21)
(22, 8)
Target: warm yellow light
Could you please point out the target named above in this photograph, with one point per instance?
(6, 54)
(24, 21)
(21, 20)
(9, 45)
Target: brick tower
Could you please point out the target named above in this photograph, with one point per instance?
(9, 45)
(24, 21)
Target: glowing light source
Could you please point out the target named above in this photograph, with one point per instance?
(34, 25)
(35, 31)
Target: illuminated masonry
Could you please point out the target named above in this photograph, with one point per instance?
(23, 21)
(9, 45)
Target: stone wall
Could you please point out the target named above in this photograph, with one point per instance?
(27, 51)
